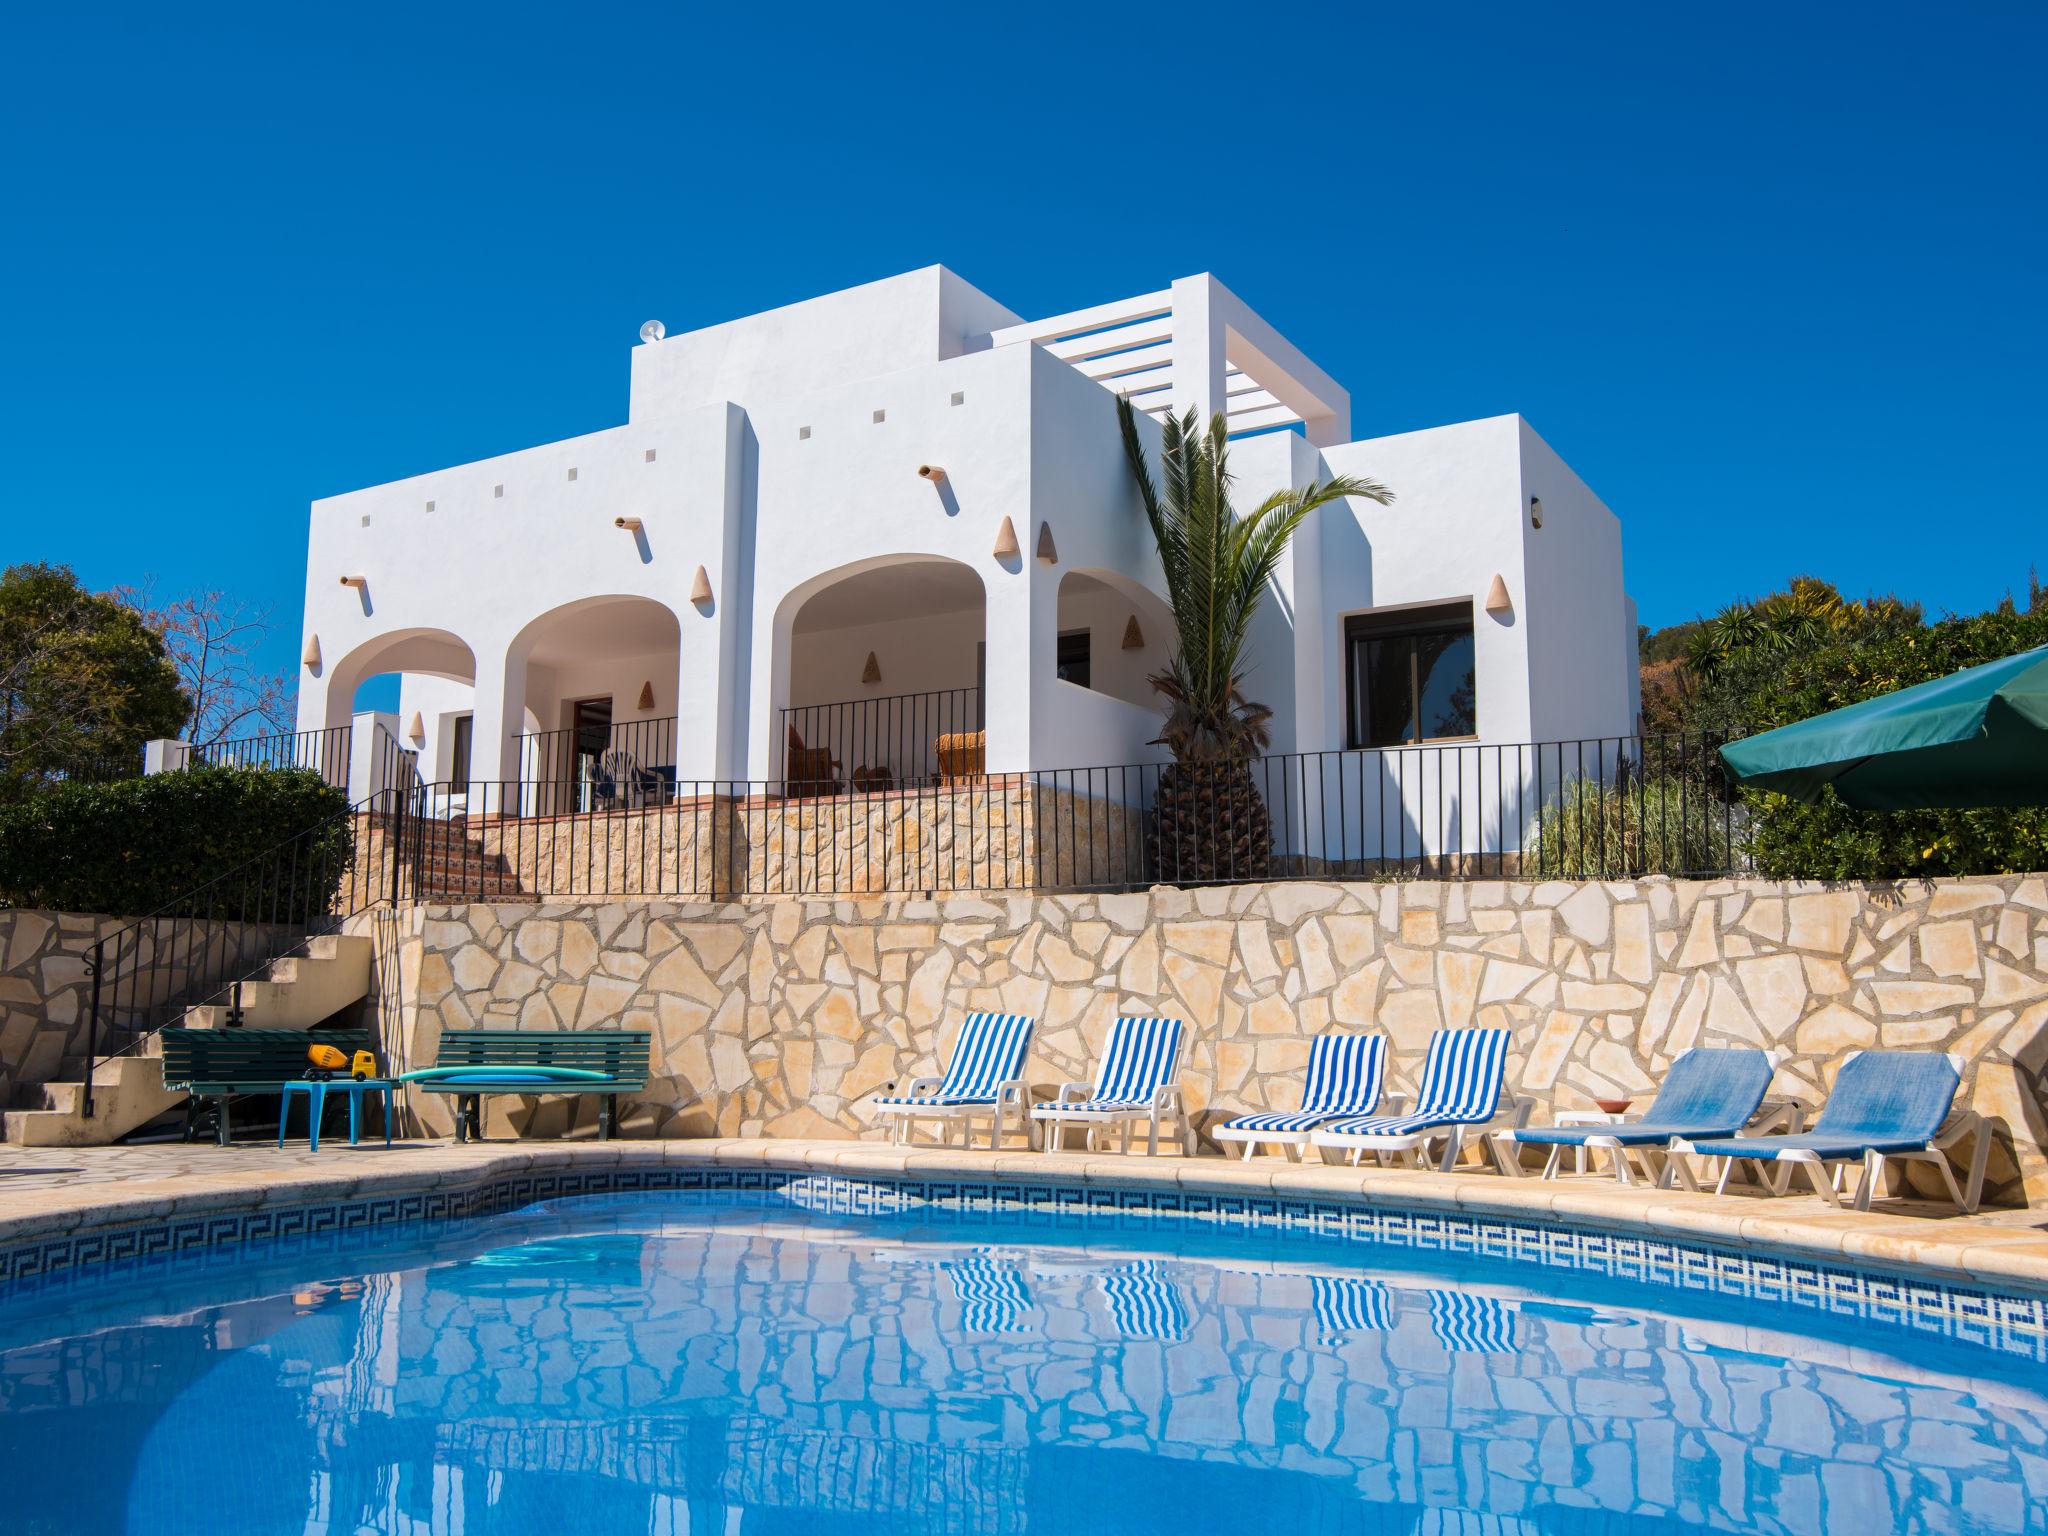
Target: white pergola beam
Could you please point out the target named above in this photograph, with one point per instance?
(1254, 421)
(1143, 333)
(1146, 306)
(1137, 360)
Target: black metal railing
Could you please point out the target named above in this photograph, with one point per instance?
(629, 763)
(325, 751)
(1605, 808)
(898, 741)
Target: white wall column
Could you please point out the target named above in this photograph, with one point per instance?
(1010, 642)
(711, 690)
(494, 761)
(370, 755)
(1199, 335)
(165, 754)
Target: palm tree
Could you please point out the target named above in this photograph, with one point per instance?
(1209, 820)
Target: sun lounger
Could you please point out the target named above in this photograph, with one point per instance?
(983, 1078)
(1344, 1076)
(1144, 1303)
(1137, 1080)
(1709, 1092)
(1469, 1324)
(1460, 1097)
(1884, 1105)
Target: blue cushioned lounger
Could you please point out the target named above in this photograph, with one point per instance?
(984, 1077)
(1144, 1303)
(1469, 1324)
(1344, 1077)
(1884, 1104)
(1709, 1091)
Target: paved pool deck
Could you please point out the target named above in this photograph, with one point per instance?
(45, 1192)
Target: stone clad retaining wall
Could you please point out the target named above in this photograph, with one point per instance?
(776, 1017)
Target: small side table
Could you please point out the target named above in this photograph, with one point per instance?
(1585, 1117)
(316, 1105)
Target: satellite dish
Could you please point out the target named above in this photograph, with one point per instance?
(653, 330)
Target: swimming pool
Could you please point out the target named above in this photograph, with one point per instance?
(782, 1360)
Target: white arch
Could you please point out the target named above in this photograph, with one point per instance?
(424, 651)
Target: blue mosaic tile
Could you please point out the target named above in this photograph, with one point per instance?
(2012, 1323)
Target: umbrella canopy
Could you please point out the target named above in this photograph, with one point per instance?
(1977, 738)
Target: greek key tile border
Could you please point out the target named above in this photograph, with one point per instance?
(2012, 1324)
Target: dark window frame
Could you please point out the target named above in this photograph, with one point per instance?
(1403, 624)
(461, 747)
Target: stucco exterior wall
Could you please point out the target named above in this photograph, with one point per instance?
(778, 1017)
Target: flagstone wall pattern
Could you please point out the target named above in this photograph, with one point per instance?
(778, 1017)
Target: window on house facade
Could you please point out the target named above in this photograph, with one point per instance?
(458, 750)
(1071, 663)
(1411, 676)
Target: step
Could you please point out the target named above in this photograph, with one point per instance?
(128, 1092)
(299, 990)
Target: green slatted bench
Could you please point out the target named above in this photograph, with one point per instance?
(215, 1064)
(621, 1054)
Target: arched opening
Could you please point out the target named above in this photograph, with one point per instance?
(425, 673)
(1112, 635)
(600, 689)
(880, 672)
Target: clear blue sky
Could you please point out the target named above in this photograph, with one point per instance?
(1770, 277)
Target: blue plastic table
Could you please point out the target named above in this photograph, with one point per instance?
(316, 1104)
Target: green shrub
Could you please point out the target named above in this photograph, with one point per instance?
(283, 840)
(1657, 826)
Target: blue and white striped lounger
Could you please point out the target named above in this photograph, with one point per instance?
(1710, 1091)
(1144, 1303)
(1884, 1104)
(984, 1077)
(1348, 1304)
(1137, 1080)
(992, 1294)
(1344, 1077)
(1460, 1095)
(1474, 1325)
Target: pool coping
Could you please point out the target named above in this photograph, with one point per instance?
(1943, 1250)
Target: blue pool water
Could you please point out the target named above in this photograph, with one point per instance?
(726, 1365)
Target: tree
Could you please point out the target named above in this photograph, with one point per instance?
(213, 642)
(84, 682)
(1807, 650)
(1209, 820)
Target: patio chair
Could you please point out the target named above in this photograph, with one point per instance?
(1344, 1076)
(983, 1077)
(617, 779)
(1136, 1080)
(1460, 1096)
(1709, 1092)
(1885, 1104)
(808, 772)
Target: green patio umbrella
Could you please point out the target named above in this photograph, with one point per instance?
(1976, 738)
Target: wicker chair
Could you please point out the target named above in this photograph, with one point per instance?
(809, 771)
(962, 755)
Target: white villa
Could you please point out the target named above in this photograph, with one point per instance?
(830, 535)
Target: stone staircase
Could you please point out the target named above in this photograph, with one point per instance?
(323, 976)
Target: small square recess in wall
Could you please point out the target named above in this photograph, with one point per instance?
(430, 506)
(498, 491)
(803, 433)
(650, 455)
(881, 416)
(572, 474)
(959, 397)
(366, 519)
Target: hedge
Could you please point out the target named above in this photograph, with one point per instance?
(145, 845)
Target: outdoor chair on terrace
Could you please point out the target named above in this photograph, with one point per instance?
(1709, 1092)
(618, 782)
(1137, 1080)
(808, 771)
(1460, 1097)
(984, 1077)
(1885, 1104)
(1344, 1076)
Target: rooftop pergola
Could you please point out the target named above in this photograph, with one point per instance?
(1196, 343)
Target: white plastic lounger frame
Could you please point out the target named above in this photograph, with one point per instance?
(1137, 1081)
(1827, 1174)
(983, 1078)
(1460, 1098)
(1344, 1077)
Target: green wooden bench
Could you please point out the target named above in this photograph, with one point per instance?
(213, 1065)
(621, 1054)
